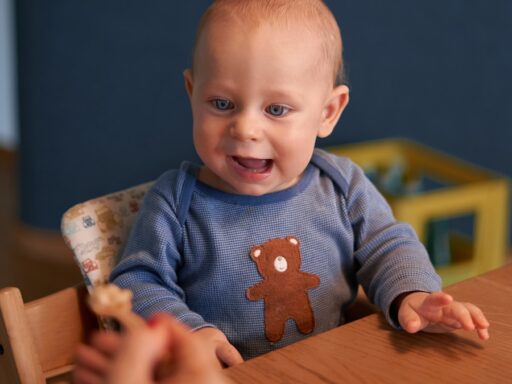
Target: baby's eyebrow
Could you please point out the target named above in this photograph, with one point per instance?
(275, 94)
(285, 95)
(218, 86)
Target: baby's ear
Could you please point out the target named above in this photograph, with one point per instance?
(336, 103)
(189, 84)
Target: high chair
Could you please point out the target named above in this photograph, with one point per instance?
(38, 338)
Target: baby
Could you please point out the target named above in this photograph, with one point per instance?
(265, 243)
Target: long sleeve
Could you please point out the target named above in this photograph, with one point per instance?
(390, 258)
(153, 256)
(193, 260)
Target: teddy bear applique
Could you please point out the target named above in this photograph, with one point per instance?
(284, 288)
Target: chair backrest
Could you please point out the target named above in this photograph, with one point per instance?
(96, 231)
(38, 339)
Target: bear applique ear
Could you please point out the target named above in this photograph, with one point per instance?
(293, 240)
(255, 252)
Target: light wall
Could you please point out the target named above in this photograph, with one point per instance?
(8, 120)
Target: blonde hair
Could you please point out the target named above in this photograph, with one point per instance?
(313, 15)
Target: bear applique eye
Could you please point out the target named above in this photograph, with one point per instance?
(280, 264)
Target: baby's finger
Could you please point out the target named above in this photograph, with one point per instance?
(459, 312)
(410, 321)
(483, 333)
(478, 316)
(228, 355)
(451, 325)
(437, 299)
(482, 324)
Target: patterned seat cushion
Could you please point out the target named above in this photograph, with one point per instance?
(97, 230)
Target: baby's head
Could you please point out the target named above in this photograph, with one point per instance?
(312, 16)
(266, 82)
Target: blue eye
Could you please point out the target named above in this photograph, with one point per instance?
(222, 104)
(277, 110)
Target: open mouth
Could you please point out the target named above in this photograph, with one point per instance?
(253, 165)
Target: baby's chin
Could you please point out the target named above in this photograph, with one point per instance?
(259, 189)
(251, 191)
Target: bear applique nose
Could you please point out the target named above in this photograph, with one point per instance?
(280, 264)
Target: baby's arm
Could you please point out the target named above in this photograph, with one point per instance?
(437, 312)
(150, 265)
(153, 257)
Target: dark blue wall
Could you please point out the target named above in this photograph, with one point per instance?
(102, 103)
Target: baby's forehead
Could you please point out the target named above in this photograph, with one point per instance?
(298, 17)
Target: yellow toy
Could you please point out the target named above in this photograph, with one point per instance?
(470, 190)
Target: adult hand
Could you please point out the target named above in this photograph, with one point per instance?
(164, 352)
(167, 349)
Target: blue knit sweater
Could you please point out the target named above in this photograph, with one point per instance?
(188, 252)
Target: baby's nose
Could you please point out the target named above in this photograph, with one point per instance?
(246, 128)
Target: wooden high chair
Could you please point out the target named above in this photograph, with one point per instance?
(38, 339)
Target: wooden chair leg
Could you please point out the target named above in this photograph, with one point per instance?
(19, 360)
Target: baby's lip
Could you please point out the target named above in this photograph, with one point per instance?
(253, 164)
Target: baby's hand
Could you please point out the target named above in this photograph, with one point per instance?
(217, 342)
(437, 312)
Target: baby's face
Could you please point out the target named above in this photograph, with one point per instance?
(259, 99)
